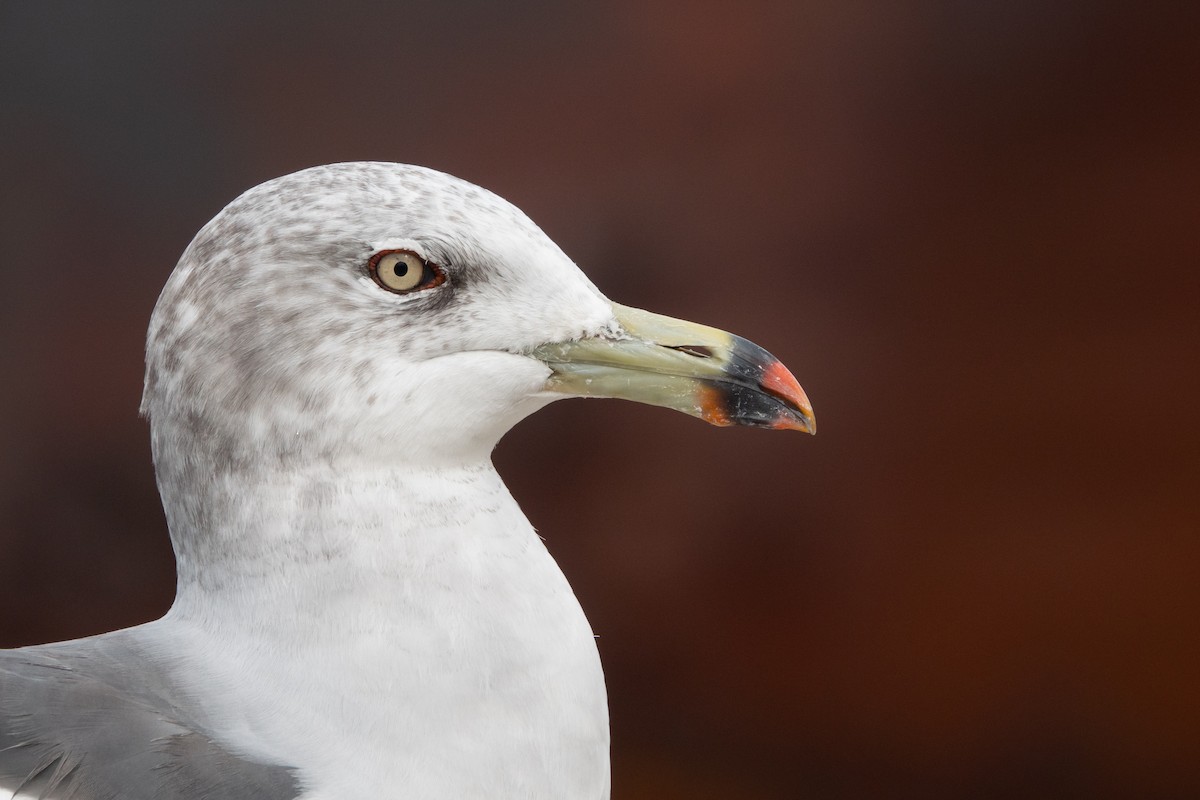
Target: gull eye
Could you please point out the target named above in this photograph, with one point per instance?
(403, 271)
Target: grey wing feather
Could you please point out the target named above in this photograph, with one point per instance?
(97, 719)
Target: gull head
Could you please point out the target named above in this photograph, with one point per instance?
(390, 313)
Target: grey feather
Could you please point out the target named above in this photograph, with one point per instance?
(76, 725)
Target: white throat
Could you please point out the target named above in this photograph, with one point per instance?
(420, 607)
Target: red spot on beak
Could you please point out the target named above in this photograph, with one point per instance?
(778, 381)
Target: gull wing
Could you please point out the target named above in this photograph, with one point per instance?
(97, 719)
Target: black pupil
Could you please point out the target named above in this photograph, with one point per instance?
(401, 269)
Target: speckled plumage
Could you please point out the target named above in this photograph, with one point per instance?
(270, 318)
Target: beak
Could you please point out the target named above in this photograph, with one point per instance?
(708, 373)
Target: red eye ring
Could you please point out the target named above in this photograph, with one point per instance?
(403, 271)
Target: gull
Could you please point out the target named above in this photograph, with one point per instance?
(362, 610)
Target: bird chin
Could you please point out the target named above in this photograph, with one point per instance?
(467, 402)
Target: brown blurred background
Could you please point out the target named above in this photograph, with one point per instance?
(970, 228)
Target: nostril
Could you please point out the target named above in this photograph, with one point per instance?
(697, 350)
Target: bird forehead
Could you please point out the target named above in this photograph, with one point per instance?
(375, 200)
(339, 214)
